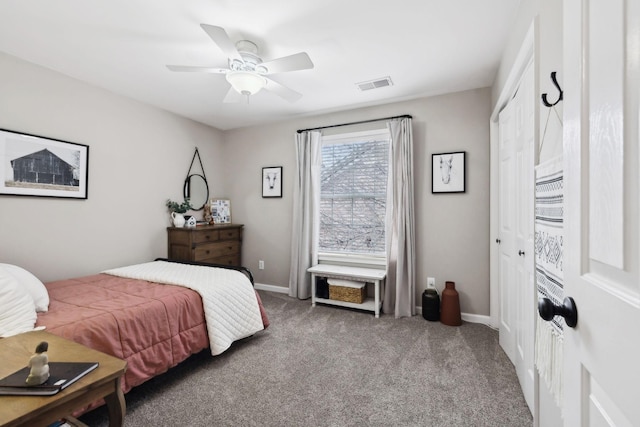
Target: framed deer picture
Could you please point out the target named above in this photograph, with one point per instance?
(448, 172)
(272, 181)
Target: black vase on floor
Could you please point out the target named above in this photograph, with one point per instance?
(431, 305)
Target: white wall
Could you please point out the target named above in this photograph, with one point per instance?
(550, 60)
(452, 229)
(138, 157)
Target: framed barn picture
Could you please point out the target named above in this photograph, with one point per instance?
(34, 165)
(448, 172)
(272, 181)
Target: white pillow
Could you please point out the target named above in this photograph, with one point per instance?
(33, 285)
(17, 310)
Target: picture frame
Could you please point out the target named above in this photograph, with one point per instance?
(272, 181)
(220, 211)
(448, 172)
(39, 166)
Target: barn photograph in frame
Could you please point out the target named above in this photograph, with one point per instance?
(33, 165)
(272, 181)
(448, 172)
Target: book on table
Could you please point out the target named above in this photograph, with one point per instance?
(61, 376)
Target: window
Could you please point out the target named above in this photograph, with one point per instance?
(354, 193)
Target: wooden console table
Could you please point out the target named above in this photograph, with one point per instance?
(103, 382)
(372, 275)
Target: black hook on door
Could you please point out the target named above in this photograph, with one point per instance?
(555, 83)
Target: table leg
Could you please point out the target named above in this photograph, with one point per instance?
(313, 290)
(377, 298)
(116, 405)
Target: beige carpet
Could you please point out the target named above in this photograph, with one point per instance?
(327, 366)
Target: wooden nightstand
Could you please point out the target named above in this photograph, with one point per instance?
(103, 382)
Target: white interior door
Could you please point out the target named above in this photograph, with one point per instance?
(506, 228)
(525, 196)
(602, 185)
(516, 264)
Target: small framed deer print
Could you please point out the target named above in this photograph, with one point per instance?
(272, 181)
(448, 172)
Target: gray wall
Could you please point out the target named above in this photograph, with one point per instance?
(452, 229)
(138, 157)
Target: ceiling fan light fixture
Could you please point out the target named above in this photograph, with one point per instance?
(246, 82)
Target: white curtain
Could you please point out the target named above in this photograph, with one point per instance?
(399, 293)
(306, 213)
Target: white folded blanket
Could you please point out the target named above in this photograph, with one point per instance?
(230, 305)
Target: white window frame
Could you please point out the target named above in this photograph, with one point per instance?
(365, 260)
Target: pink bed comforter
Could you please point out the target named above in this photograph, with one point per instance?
(151, 326)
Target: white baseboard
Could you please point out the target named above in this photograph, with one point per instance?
(271, 288)
(477, 318)
(471, 318)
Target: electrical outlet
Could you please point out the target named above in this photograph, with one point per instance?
(261, 265)
(431, 282)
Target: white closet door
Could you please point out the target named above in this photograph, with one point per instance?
(516, 265)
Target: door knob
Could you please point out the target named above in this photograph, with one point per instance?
(520, 253)
(547, 310)
(498, 241)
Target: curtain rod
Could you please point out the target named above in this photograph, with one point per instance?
(357, 123)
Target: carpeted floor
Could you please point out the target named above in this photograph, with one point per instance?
(327, 366)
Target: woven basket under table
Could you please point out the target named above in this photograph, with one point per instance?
(347, 294)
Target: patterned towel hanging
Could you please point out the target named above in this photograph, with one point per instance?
(549, 218)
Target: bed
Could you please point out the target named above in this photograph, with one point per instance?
(142, 315)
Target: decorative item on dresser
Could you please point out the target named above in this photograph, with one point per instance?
(178, 210)
(217, 244)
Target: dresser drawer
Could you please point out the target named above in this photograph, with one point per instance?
(230, 234)
(225, 260)
(205, 236)
(214, 250)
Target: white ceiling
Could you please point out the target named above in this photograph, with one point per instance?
(427, 47)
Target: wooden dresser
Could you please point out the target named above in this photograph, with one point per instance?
(218, 244)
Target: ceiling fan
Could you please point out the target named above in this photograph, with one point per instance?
(247, 73)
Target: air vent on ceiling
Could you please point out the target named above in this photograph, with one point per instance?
(375, 84)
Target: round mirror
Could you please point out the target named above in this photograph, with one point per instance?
(197, 190)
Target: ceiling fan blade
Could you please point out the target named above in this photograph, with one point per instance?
(232, 97)
(298, 61)
(198, 69)
(221, 38)
(282, 91)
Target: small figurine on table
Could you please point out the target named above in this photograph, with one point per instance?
(39, 364)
